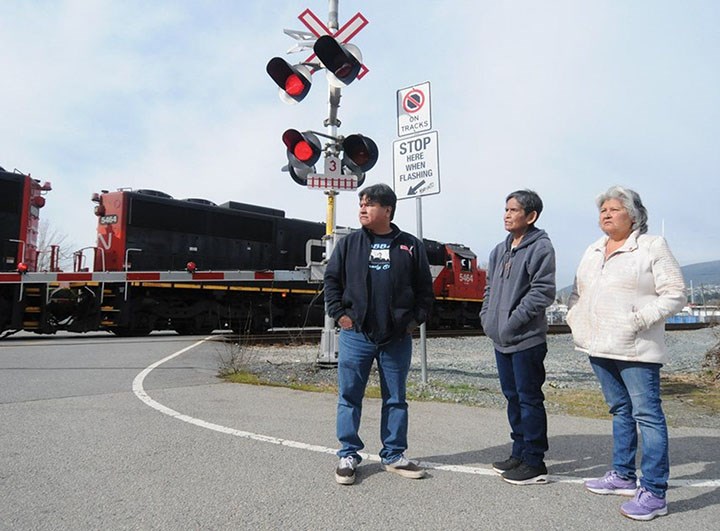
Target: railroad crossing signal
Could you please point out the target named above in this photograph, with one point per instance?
(346, 158)
(341, 62)
(294, 81)
(360, 153)
(303, 152)
(343, 35)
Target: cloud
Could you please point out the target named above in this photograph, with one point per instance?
(563, 97)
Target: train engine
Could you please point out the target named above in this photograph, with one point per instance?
(190, 266)
(458, 284)
(21, 198)
(147, 230)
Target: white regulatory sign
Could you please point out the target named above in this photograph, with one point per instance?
(415, 166)
(413, 109)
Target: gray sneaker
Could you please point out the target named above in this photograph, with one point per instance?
(612, 483)
(405, 468)
(345, 471)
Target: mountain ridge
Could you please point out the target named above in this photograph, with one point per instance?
(700, 274)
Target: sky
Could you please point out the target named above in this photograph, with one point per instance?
(563, 97)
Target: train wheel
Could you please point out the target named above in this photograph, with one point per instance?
(199, 326)
(125, 331)
(195, 330)
(140, 325)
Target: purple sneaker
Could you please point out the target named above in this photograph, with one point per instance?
(644, 506)
(612, 483)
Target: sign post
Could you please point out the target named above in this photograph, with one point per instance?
(416, 170)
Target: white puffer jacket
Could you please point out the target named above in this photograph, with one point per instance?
(618, 306)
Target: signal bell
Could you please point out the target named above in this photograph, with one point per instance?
(294, 81)
(303, 151)
(343, 62)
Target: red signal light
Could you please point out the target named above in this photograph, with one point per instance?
(342, 61)
(294, 85)
(360, 153)
(191, 267)
(294, 80)
(344, 70)
(303, 151)
(22, 268)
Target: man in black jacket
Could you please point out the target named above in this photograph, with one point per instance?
(378, 288)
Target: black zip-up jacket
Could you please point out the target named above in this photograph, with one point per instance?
(346, 280)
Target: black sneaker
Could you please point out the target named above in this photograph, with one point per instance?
(525, 474)
(509, 463)
(345, 471)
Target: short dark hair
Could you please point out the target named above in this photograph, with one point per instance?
(529, 200)
(381, 194)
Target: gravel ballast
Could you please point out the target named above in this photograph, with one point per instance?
(463, 369)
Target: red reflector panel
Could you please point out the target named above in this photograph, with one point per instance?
(208, 276)
(74, 277)
(143, 276)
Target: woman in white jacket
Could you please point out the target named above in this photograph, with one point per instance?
(627, 284)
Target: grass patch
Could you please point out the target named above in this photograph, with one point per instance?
(249, 378)
(687, 399)
(698, 392)
(578, 402)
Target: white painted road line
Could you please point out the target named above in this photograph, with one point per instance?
(139, 391)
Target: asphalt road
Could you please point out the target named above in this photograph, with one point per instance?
(100, 432)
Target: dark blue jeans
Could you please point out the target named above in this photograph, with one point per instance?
(522, 375)
(355, 358)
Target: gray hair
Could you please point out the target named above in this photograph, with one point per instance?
(632, 203)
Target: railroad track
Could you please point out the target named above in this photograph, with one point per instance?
(301, 336)
(312, 335)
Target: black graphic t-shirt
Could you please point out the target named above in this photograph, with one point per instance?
(378, 322)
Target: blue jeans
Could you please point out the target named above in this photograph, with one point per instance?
(355, 359)
(522, 375)
(632, 390)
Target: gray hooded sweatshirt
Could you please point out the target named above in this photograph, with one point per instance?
(520, 286)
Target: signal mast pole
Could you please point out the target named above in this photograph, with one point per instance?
(342, 63)
(328, 339)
